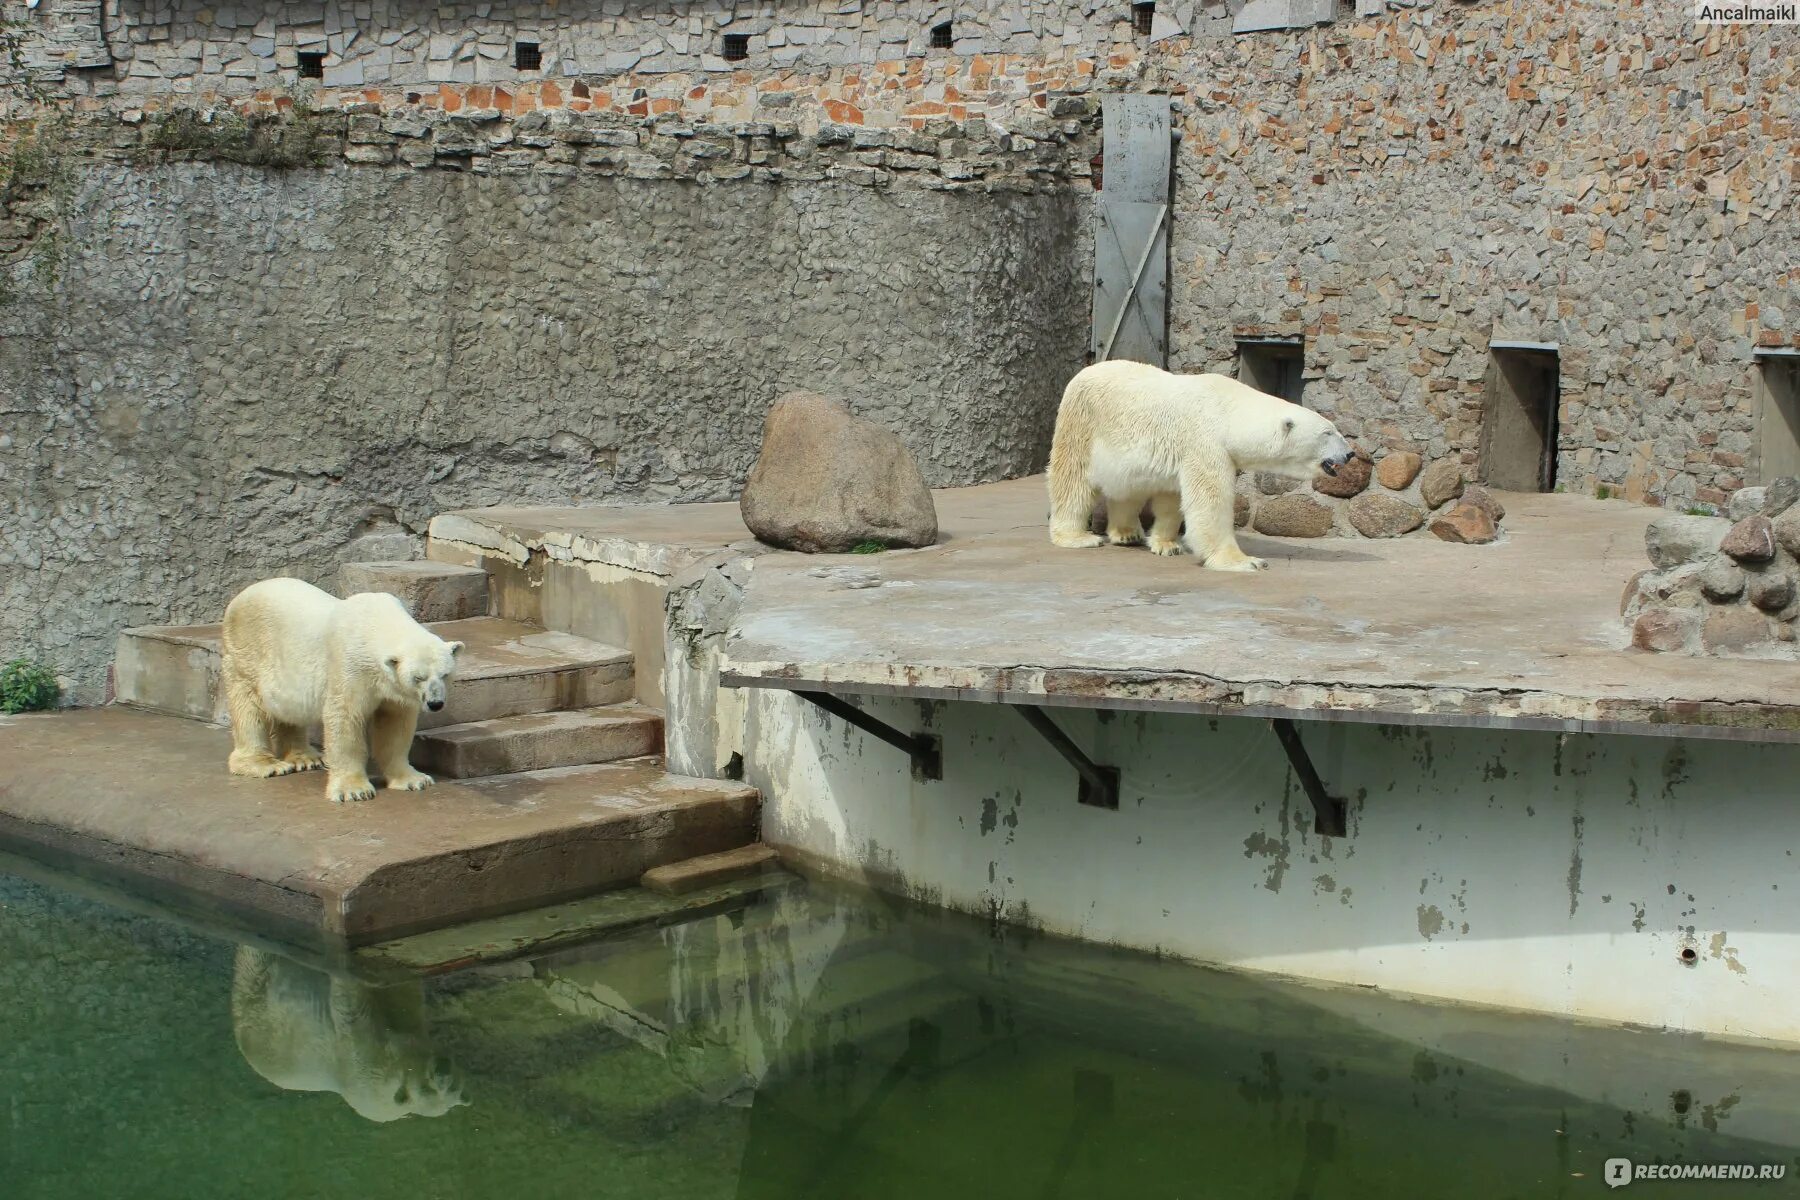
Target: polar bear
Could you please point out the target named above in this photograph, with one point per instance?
(360, 667)
(1128, 433)
(306, 1031)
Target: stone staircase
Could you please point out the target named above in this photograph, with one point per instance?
(551, 782)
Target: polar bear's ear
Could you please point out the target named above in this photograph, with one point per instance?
(392, 663)
(455, 648)
(1287, 425)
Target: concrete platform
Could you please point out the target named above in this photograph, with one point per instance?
(1524, 633)
(506, 669)
(144, 799)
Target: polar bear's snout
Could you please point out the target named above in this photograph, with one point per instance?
(1337, 456)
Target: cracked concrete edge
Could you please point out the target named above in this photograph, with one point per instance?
(1204, 696)
(655, 562)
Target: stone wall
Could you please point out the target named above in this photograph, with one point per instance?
(227, 371)
(1398, 191)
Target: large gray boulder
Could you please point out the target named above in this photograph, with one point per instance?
(1676, 539)
(827, 482)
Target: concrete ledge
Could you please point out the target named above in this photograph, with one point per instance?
(535, 741)
(145, 798)
(431, 591)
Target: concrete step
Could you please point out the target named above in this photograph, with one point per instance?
(710, 870)
(534, 741)
(506, 668)
(431, 591)
(144, 799)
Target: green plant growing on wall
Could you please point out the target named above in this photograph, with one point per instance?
(869, 547)
(301, 138)
(35, 185)
(27, 686)
(1602, 492)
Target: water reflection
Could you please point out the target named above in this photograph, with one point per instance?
(306, 1031)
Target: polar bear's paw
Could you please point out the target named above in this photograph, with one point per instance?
(339, 788)
(1243, 562)
(1076, 541)
(303, 759)
(1164, 546)
(257, 764)
(412, 781)
(1125, 537)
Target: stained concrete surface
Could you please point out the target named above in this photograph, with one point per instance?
(1522, 633)
(144, 796)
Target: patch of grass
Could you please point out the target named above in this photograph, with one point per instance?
(1603, 492)
(869, 547)
(281, 143)
(1701, 510)
(27, 686)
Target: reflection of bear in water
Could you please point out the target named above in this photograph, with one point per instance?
(307, 1031)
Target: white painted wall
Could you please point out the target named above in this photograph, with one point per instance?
(1554, 873)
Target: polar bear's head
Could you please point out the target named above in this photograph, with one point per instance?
(418, 673)
(1287, 439)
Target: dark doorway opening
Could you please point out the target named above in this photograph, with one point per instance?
(1518, 420)
(1273, 365)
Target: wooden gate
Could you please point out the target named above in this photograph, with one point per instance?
(1131, 232)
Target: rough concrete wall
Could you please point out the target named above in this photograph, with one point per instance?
(236, 372)
(1401, 190)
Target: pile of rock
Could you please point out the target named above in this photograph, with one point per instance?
(1407, 496)
(1722, 585)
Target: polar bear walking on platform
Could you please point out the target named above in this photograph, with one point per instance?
(360, 667)
(1129, 434)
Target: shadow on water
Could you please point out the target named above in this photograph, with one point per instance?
(818, 1043)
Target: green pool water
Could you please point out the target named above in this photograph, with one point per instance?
(818, 1043)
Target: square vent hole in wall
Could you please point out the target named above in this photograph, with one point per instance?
(1778, 413)
(1143, 18)
(527, 56)
(735, 47)
(1518, 416)
(1272, 365)
(311, 64)
(943, 36)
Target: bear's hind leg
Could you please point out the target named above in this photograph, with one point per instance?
(1125, 520)
(346, 754)
(1071, 508)
(252, 731)
(1165, 524)
(292, 748)
(390, 740)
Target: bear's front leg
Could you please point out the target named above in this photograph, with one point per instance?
(1206, 506)
(346, 754)
(390, 737)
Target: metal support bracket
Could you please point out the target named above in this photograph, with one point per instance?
(925, 749)
(1329, 817)
(1099, 785)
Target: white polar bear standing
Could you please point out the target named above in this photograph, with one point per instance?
(1129, 433)
(361, 668)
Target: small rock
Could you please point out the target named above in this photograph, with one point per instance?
(1780, 496)
(1440, 482)
(1351, 478)
(1675, 539)
(1293, 516)
(1772, 591)
(1745, 501)
(1466, 523)
(1787, 530)
(1270, 484)
(1398, 469)
(1379, 515)
(1751, 540)
(1485, 500)
(1733, 630)
(1662, 629)
(1240, 510)
(1633, 586)
(827, 481)
(1721, 581)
